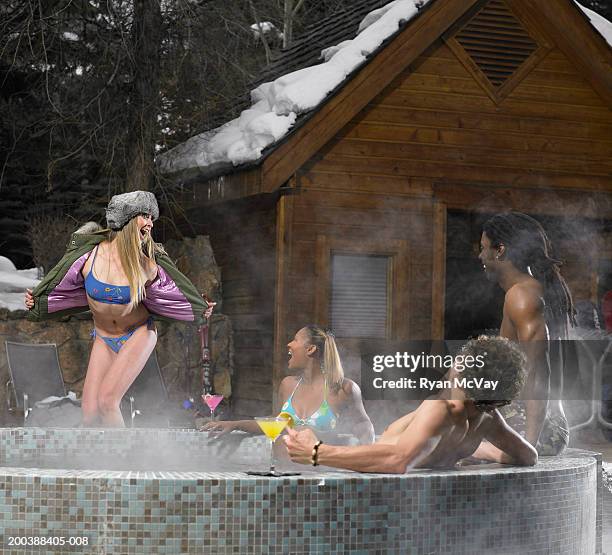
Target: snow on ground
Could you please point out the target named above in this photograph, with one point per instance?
(603, 26)
(13, 283)
(276, 105)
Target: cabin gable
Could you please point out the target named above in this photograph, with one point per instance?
(589, 55)
(496, 46)
(436, 123)
(422, 132)
(434, 141)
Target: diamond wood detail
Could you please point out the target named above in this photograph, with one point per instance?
(496, 46)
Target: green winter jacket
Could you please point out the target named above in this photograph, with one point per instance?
(171, 296)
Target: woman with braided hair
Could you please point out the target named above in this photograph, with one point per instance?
(318, 396)
(516, 253)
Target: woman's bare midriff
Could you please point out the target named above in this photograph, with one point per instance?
(111, 320)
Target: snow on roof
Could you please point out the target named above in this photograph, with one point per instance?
(375, 15)
(277, 104)
(603, 26)
(13, 284)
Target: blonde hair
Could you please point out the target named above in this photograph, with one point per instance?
(133, 252)
(325, 343)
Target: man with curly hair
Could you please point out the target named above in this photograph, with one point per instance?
(444, 430)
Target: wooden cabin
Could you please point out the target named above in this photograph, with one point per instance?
(472, 108)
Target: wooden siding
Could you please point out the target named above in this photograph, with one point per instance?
(333, 114)
(434, 138)
(242, 235)
(437, 123)
(380, 222)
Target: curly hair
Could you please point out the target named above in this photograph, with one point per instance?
(529, 249)
(502, 361)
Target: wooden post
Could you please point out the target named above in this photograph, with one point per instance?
(284, 220)
(438, 286)
(322, 270)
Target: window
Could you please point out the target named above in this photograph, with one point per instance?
(361, 288)
(360, 291)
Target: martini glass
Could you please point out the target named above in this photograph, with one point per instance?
(213, 402)
(272, 426)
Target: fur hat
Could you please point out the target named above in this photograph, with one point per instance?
(122, 208)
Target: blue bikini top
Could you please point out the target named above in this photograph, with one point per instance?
(105, 292)
(323, 419)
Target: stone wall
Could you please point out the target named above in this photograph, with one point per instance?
(178, 344)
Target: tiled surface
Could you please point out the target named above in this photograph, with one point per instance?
(607, 530)
(125, 449)
(487, 509)
(593, 440)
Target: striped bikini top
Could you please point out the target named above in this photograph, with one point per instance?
(323, 419)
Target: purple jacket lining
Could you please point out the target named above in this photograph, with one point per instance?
(165, 298)
(163, 295)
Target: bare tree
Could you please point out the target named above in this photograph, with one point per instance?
(262, 33)
(91, 89)
(144, 98)
(291, 9)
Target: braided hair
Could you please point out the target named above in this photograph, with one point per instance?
(529, 249)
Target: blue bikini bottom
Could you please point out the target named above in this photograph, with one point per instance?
(115, 343)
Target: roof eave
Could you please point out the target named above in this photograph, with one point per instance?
(281, 159)
(213, 171)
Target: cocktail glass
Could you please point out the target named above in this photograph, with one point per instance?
(213, 402)
(272, 426)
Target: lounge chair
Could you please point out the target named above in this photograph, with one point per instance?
(34, 375)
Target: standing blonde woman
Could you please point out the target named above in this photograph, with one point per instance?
(318, 395)
(123, 277)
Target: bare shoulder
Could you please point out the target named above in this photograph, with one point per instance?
(435, 414)
(350, 388)
(524, 298)
(286, 386)
(455, 409)
(348, 392)
(150, 267)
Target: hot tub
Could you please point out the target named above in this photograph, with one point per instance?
(190, 495)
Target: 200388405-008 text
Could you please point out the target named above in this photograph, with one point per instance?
(15, 541)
